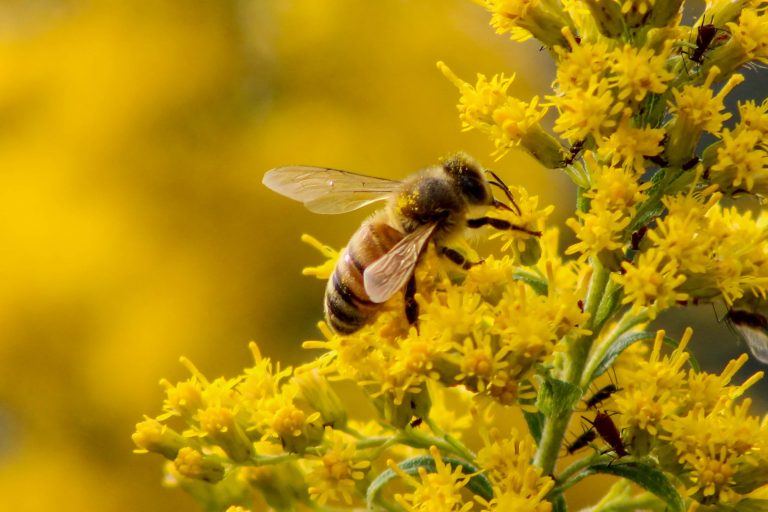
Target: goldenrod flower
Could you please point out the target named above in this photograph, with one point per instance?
(600, 230)
(696, 109)
(508, 121)
(590, 111)
(630, 146)
(193, 464)
(638, 72)
(651, 283)
(542, 19)
(434, 492)
(748, 42)
(334, 476)
(153, 436)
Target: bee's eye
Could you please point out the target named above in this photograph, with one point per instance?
(473, 188)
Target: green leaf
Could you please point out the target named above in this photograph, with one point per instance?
(478, 483)
(556, 397)
(558, 504)
(625, 340)
(535, 421)
(538, 284)
(648, 477)
(619, 346)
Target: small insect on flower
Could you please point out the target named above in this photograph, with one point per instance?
(608, 431)
(580, 442)
(381, 256)
(601, 395)
(753, 329)
(706, 35)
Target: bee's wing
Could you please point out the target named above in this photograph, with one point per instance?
(385, 276)
(756, 338)
(752, 327)
(328, 190)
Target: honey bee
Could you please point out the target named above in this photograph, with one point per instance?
(752, 327)
(381, 256)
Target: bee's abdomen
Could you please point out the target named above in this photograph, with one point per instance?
(347, 306)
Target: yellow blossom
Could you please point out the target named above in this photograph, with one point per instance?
(333, 477)
(638, 72)
(542, 19)
(193, 464)
(599, 230)
(629, 146)
(586, 112)
(651, 283)
(741, 164)
(438, 491)
(696, 109)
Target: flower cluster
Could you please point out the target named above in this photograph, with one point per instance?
(692, 423)
(665, 180)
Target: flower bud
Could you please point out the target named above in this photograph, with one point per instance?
(320, 396)
(608, 17)
(399, 414)
(544, 147)
(153, 436)
(282, 485)
(219, 423)
(193, 464)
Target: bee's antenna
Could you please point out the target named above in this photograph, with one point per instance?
(497, 182)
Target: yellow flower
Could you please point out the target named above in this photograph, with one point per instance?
(629, 146)
(599, 230)
(741, 164)
(153, 436)
(220, 424)
(651, 283)
(615, 189)
(589, 111)
(193, 464)
(542, 19)
(333, 477)
(438, 491)
(508, 121)
(580, 62)
(325, 270)
(517, 484)
(638, 72)
(696, 109)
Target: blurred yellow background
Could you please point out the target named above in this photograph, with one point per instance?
(135, 229)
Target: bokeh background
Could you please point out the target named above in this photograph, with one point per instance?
(133, 224)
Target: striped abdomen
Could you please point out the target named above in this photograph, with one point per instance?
(347, 306)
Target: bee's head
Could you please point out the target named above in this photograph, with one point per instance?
(469, 179)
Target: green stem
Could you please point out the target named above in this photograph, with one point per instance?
(458, 446)
(555, 426)
(268, 460)
(579, 349)
(446, 444)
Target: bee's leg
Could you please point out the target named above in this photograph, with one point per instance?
(500, 224)
(411, 306)
(458, 258)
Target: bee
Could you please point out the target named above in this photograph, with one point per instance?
(381, 256)
(752, 327)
